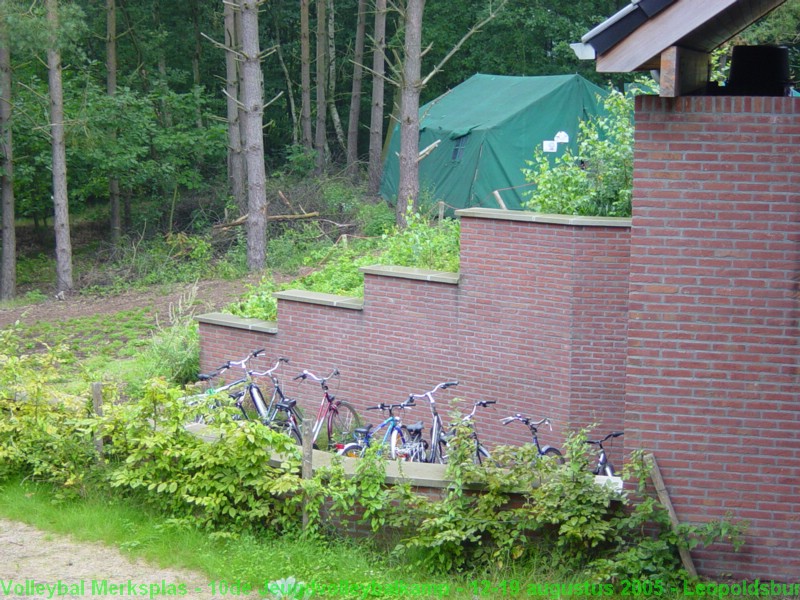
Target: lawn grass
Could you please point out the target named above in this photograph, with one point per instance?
(343, 569)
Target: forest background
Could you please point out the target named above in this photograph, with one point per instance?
(124, 111)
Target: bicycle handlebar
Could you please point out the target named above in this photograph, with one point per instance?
(613, 434)
(527, 421)
(429, 395)
(321, 380)
(233, 363)
(269, 372)
(391, 407)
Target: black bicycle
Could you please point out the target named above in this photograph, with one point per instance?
(238, 391)
(280, 413)
(543, 451)
(478, 451)
(604, 467)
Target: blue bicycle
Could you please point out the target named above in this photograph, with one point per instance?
(396, 436)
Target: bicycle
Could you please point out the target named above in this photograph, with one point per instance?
(438, 442)
(267, 412)
(480, 453)
(604, 467)
(339, 416)
(242, 386)
(393, 436)
(542, 451)
(281, 414)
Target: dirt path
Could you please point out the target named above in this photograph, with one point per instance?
(41, 566)
(209, 296)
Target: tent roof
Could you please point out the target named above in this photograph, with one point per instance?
(491, 100)
(506, 118)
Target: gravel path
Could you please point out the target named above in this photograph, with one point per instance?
(35, 565)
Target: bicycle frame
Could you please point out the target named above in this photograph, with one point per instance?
(603, 466)
(437, 429)
(267, 412)
(542, 451)
(328, 403)
(391, 423)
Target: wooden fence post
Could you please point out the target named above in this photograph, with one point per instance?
(307, 471)
(97, 405)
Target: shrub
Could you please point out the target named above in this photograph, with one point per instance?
(421, 244)
(597, 179)
(226, 485)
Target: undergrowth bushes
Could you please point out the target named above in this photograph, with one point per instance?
(421, 244)
(487, 516)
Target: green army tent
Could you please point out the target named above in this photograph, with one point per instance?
(479, 135)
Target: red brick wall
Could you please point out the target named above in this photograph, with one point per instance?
(713, 341)
(536, 321)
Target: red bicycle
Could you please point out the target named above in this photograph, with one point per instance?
(338, 417)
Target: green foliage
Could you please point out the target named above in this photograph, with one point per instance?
(598, 179)
(44, 432)
(227, 484)
(233, 485)
(598, 533)
(173, 352)
(421, 244)
(172, 258)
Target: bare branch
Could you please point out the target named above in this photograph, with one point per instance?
(274, 99)
(221, 46)
(238, 103)
(492, 14)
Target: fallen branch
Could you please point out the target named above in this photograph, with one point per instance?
(243, 219)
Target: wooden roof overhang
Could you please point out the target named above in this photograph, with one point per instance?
(674, 37)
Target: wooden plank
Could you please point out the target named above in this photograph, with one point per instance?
(307, 469)
(663, 497)
(683, 71)
(659, 33)
(97, 406)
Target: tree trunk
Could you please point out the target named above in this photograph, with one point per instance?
(236, 169)
(375, 169)
(60, 198)
(322, 117)
(305, 76)
(287, 77)
(355, 94)
(337, 122)
(197, 54)
(166, 113)
(411, 85)
(253, 101)
(8, 270)
(111, 89)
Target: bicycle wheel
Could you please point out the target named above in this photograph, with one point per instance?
(352, 450)
(342, 422)
(413, 449)
(397, 442)
(555, 454)
(438, 453)
(288, 427)
(481, 455)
